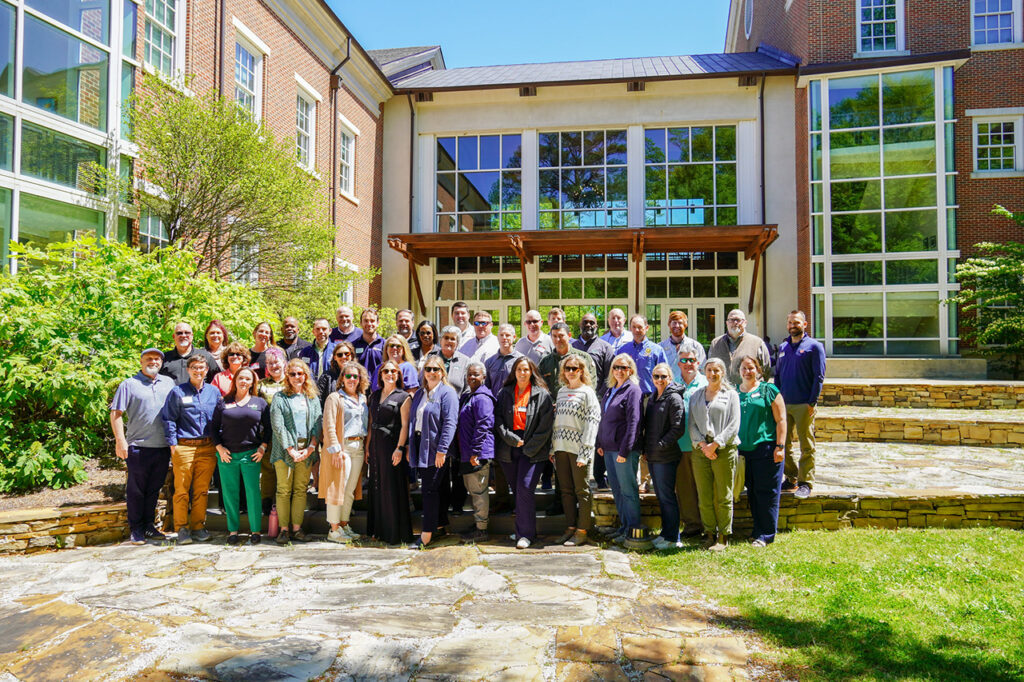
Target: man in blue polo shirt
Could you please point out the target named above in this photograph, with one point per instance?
(799, 376)
(137, 403)
(645, 353)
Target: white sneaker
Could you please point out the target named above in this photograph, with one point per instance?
(661, 544)
(523, 543)
(336, 536)
(349, 533)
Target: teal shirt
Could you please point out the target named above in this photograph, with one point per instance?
(757, 421)
(699, 381)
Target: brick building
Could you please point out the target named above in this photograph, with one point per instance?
(65, 72)
(910, 127)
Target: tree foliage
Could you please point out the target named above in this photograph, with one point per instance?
(72, 324)
(992, 295)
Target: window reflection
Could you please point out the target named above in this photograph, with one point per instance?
(6, 49)
(88, 17)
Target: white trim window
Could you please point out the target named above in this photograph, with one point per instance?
(347, 295)
(161, 36)
(244, 268)
(305, 130)
(879, 26)
(346, 161)
(248, 79)
(152, 233)
(748, 17)
(999, 144)
(995, 22)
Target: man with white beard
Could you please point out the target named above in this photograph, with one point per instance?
(138, 401)
(737, 344)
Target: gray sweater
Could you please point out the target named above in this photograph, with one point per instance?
(720, 420)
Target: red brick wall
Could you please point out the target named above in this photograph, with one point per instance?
(358, 238)
(775, 26)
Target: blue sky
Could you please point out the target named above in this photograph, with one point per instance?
(486, 32)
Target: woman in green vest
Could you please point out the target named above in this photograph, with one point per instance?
(762, 447)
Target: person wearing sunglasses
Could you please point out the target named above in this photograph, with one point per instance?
(342, 352)
(295, 418)
(345, 423)
(268, 387)
(176, 360)
(453, 360)
(616, 442)
(396, 349)
(434, 415)
(664, 424)
(388, 516)
(577, 417)
(686, 488)
(523, 423)
(483, 343)
(535, 344)
(236, 357)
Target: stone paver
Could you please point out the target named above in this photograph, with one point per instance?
(319, 611)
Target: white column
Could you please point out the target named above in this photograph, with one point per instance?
(530, 179)
(423, 194)
(748, 173)
(635, 177)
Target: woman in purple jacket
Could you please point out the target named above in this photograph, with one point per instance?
(476, 445)
(616, 438)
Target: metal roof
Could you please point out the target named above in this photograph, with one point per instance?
(598, 71)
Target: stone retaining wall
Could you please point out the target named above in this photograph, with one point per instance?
(859, 428)
(33, 530)
(834, 512)
(964, 396)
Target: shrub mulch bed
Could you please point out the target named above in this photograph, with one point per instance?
(105, 485)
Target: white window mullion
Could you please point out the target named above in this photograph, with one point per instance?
(531, 181)
(635, 184)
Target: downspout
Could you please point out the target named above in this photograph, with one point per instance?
(219, 48)
(412, 148)
(764, 203)
(335, 86)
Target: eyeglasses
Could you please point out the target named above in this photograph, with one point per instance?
(735, 320)
(183, 333)
(687, 361)
(389, 371)
(235, 355)
(395, 345)
(533, 322)
(431, 369)
(296, 374)
(346, 354)
(620, 368)
(661, 377)
(572, 369)
(348, 376)
(480, 323)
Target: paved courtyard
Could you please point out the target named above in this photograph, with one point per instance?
(324, 612)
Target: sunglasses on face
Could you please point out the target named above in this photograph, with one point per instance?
(348, 376)
(480, 323)
(431, 369)
(296, 374)
(572, 369)
(687, 361)
(183, 333)
(394, 346)
(661, 377)
(389, 371)
(235, 355)
(620, 368)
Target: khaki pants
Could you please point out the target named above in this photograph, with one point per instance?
(292, 483)
(476, 486)
(268, 478)
(714, 478)
(193, 471)
(686, 493)
(341, 513)
(801, 421)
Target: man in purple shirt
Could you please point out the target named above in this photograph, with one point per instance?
(369, 346)
(346, 330)
(799, 376)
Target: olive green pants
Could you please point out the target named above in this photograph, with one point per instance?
(714, 479)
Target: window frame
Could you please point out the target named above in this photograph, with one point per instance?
(177, 36)
(309, 133)
(1017, 38)
(1017, 119)
(347, 129)
(257, 79)
(901, 32)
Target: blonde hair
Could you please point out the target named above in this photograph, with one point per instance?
(433, 360)
(584, 370)
(624, 357)
(400, 340)
(364, 378)
(664, 366)
(718, 362)
(309, 389)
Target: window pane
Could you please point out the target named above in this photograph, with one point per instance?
(729, 286)
(856, 274)
(63, 75)
(548, 147)
(860, 195)
(618, 262)
(615, 147)
(467, 158)
(816, 154)
(725, 183)
(657, 287)
(88, 18)
(858, 233)
(908, 97)
(701, 144)
(857, 316)
(547, 288)
(572, 288)
(853, 102)
(679, 145)
(479, 222)
(5, 226)
(814, 105)
(479, 191)
(593, 148)
(679, 287)
(728, 260)
(130, 28)
(445, 153)
(911, 231)
(489, 289)
(511, 289)
(691, 186)
(912, 314)
(912, 272)
(127, 90)
(571, 149)
(703, 287)
(446, 192)
(6, 51)
(654, 145)
(444, 266)
(855, 154)
(511, 151)
(6, 142)
(725, 143)
(490, 152)
(908, 192)
(43, 221)
(445, 290)
(910, 151)
(49, 155)
(618, 287)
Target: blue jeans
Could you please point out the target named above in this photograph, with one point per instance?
(664, 476)
(625, 491)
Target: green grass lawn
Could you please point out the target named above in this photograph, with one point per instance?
(873, 604)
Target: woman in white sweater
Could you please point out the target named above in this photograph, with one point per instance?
(577, 416)
(714, 430)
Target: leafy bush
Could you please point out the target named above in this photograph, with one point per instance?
(72, 324)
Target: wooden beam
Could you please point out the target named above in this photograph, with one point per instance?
(638, 254)
(414, 275)
(516, 241)
(753, 285)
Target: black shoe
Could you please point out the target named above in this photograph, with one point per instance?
(152, 533)
(268, 504)
(789, 487)
(474, 536)
(691, 533)
(233, 540)
(255, 539)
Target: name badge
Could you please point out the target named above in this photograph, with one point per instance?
(755, 395)
(186, 400)
(230, 406)
(520, 409)
(306, 360)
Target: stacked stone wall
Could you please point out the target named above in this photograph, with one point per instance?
(938, 431)
(964, 395)
(34, 530)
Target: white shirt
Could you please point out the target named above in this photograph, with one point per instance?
(480, 350)
(467, 334)
(423, 405)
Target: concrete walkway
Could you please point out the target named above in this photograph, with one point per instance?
(326, 612)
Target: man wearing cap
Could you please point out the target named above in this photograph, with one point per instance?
(138, 401)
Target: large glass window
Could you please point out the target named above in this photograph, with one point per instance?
(49, 155)
(490, 283)
(245, 79)
(479, 183)
(64, 75)
(90, 18)
(582, 179)
(6, 142)
(44, 221)
(879, 24)
(130, 29)
(690, 176)
(994, 21)
(5, 226)
(160, 35)
(6, 49)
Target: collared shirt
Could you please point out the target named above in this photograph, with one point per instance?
(602, 353)
(369, 354)
(176, 365)
(466, 334)
(672, 354)
(480, 349)
(318, 359)
(699, 381)
(801, 370)
(140, 399)
(535, 350)
(188, 413)
(646, 355)
(498, 367)
(338, 335)
(291, 351)
(616, 341)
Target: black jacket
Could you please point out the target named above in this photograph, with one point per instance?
(540, 421)
(664, 424)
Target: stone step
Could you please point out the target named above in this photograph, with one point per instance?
(912, 425)
(923, 393)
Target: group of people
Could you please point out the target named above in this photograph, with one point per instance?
(462, 411)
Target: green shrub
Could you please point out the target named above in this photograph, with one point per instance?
(72, 324)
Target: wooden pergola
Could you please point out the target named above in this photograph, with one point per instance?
(418, 249)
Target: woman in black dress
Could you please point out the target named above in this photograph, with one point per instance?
(389, 519)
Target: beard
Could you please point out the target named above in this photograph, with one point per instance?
(150, 371)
